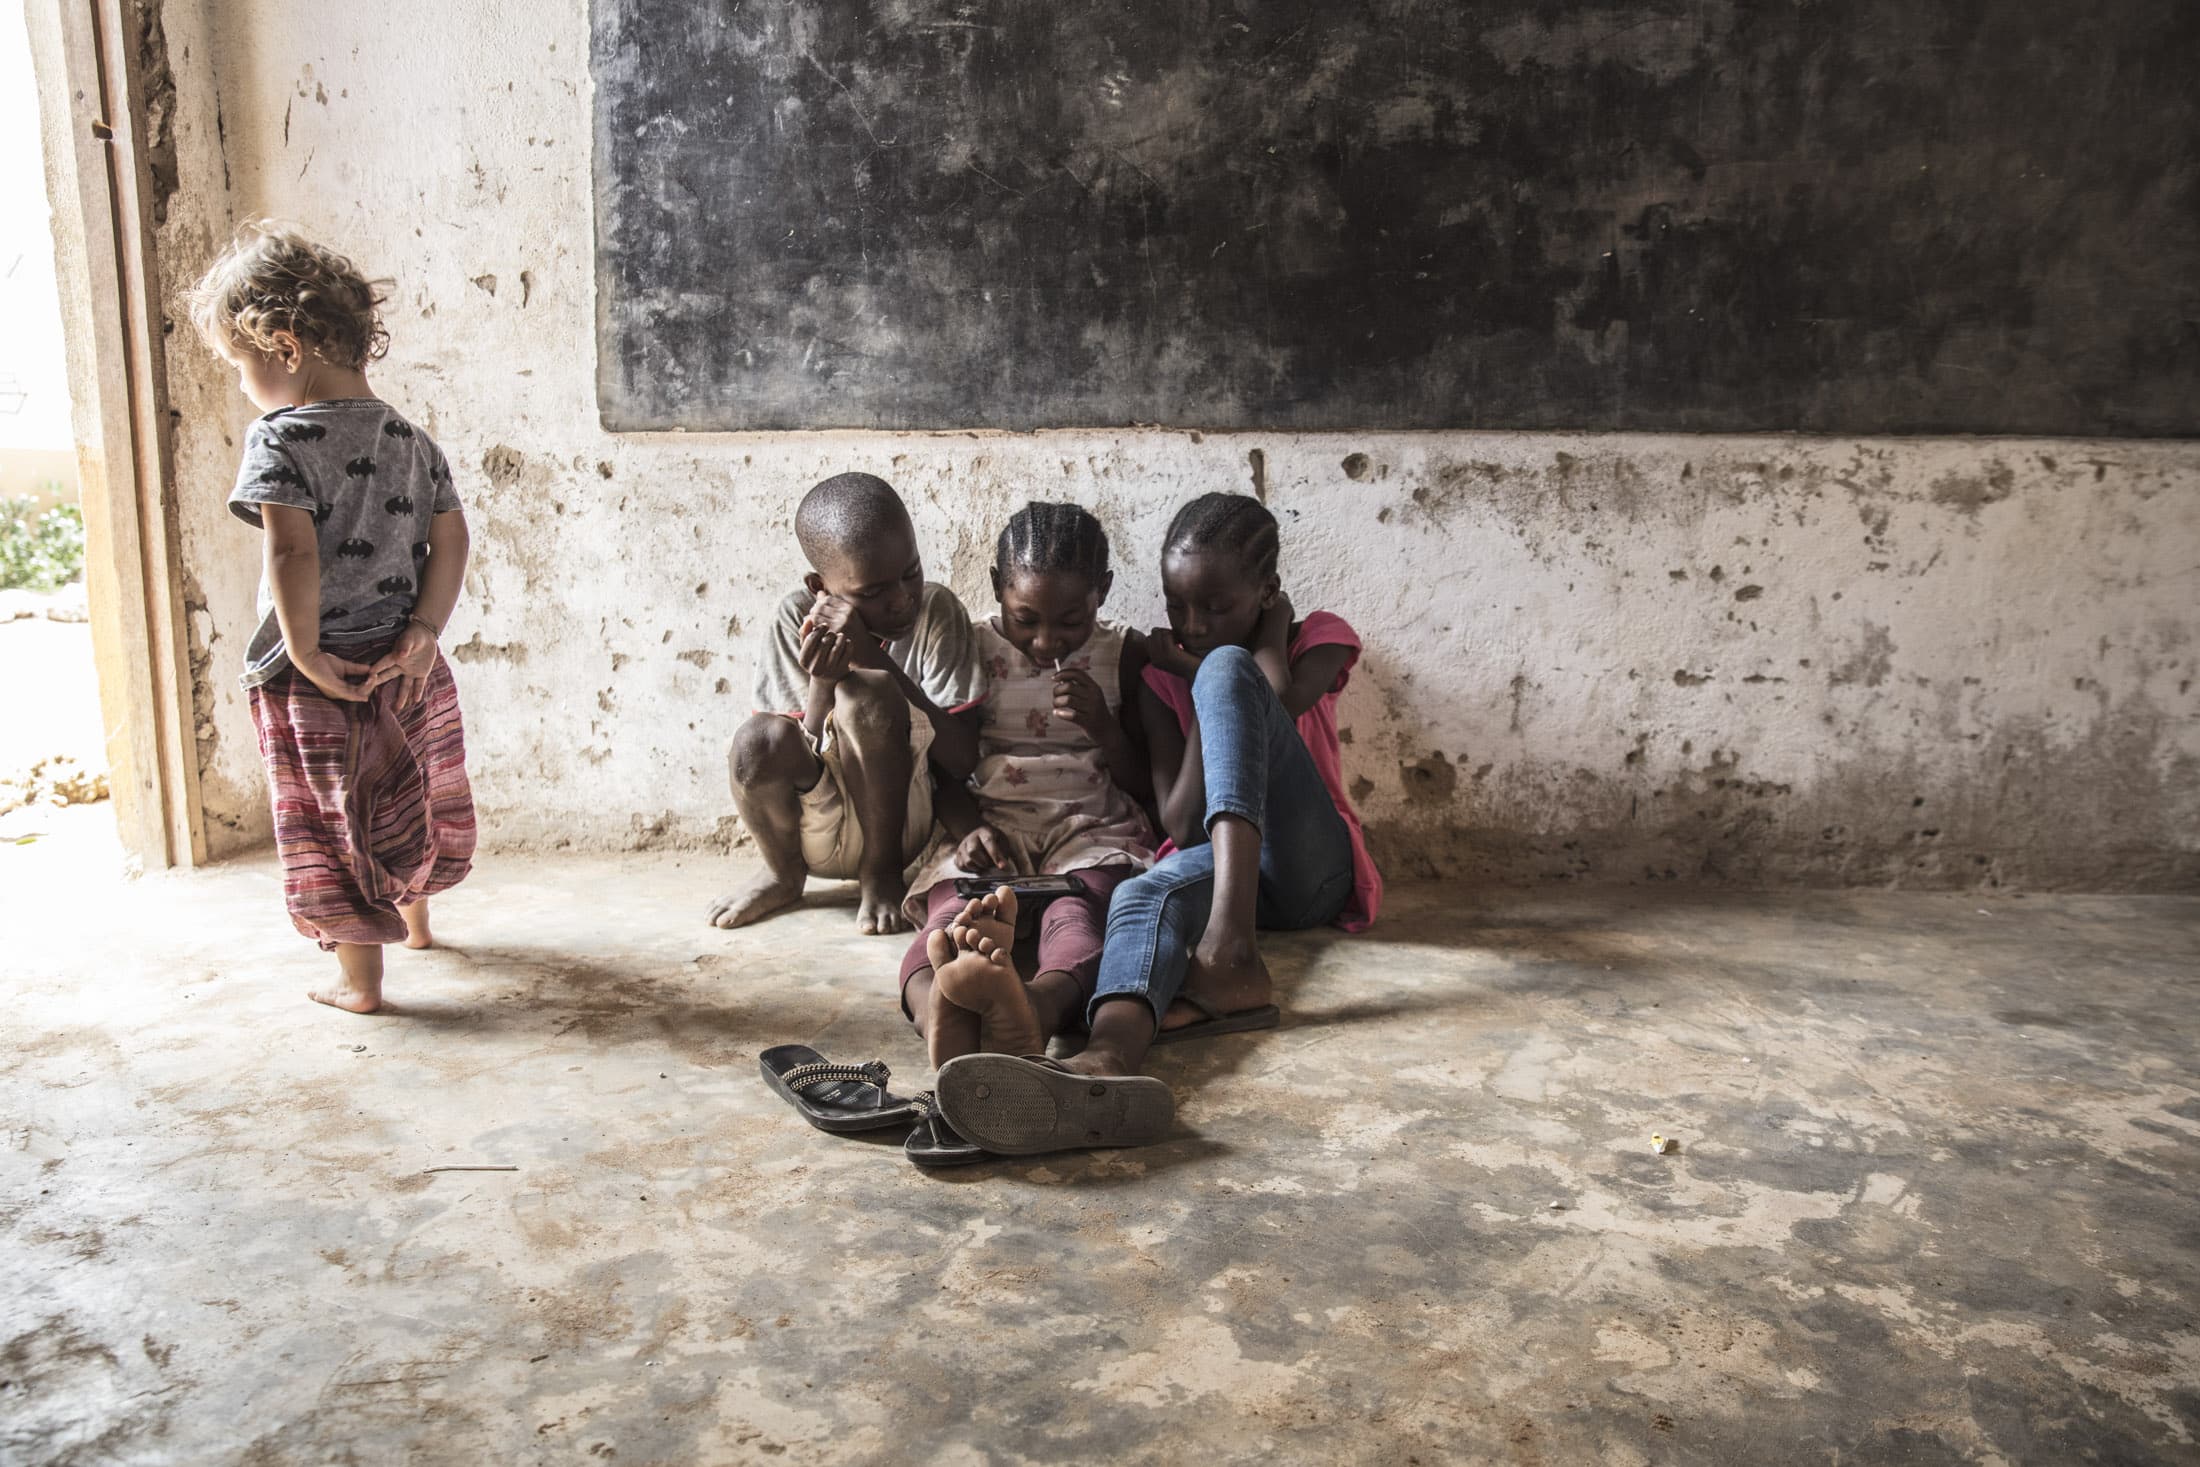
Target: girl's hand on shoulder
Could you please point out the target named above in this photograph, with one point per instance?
(1080, 700)
(1165, 652)
(409, 661)
(343, 680)
(982, 850)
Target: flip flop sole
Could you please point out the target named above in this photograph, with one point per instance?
(1244, 1021)
(926, 1148)
(1020, 1107)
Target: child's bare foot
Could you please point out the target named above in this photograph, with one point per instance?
(757, 898)
(951, 1031)
(1229, 977)
(350, 997)
(878, 909)
(978, 973)
(359, 990)
(987, 925)
(417, 934)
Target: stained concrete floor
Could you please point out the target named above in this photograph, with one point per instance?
(1937, 1198)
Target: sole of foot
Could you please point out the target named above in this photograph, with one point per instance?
(989, 986)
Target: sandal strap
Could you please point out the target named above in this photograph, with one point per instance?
(802, 1077)
(925, 1104)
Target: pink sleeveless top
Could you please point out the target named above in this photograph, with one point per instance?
(1318, 727)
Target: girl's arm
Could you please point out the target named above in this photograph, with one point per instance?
(1179, 778)
(1128, 765)
(293, 560)
(954, 735)
(1312, 676)
(448, 547)
(956, 809)
(1301, 684)
(978, 847)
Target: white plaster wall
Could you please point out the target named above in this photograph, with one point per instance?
(1637, 657)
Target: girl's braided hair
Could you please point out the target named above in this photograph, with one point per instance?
(1234, 523)
(272, 278)
(1053, 537)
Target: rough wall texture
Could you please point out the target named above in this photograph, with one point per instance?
(1634, 657)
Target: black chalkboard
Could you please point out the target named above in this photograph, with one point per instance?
(1875, 216)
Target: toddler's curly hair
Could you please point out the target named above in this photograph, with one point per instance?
(272, 278)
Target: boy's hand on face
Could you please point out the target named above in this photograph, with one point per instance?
(824, 655)
(838, 615)
(1275, 623)
(1079, 699)
(983, 850)
(1165, 652)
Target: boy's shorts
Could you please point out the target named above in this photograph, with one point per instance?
(832, 838)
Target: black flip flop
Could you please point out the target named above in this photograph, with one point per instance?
(1267, 1016)
(934, 1142)
(834, 1097)
(1021, 1107)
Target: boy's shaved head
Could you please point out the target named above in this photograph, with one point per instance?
(845, 513)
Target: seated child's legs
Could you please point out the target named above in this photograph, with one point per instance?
(1280, 848)
(1071, 935)
(949, 1030)
(1154, 921)
(942, 906)
(871, 726)
(771, 766)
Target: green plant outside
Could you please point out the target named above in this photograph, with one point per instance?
(39, 552)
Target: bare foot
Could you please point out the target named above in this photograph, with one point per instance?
(359, 989)
(878, 909)
(349, 997)
(987, 925)
(417, 934)
(1228, 977)
(759, 897)
(1090, 1061)
(976, 971)
(950, 1031)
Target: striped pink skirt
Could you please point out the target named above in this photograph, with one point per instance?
(372, 808)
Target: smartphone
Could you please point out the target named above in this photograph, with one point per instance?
(1023, 886)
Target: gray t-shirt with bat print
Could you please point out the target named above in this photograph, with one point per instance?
(372, 482)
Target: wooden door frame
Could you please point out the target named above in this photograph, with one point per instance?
(99, 184)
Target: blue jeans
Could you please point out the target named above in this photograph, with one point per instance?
(1257, 767)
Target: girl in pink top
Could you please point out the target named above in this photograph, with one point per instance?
(1238, 704)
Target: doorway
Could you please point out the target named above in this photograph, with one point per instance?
(73, 110)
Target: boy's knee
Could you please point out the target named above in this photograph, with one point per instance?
(868, 706)
(768, 749)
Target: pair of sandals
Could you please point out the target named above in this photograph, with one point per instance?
(986, 1105)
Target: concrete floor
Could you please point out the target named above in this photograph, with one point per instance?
(1937, 1198)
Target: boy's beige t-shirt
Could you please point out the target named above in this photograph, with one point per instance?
(940, 654)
